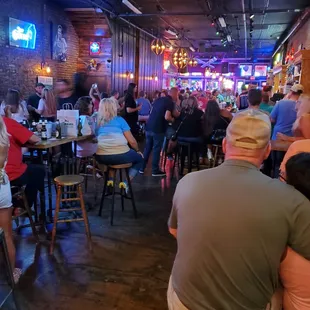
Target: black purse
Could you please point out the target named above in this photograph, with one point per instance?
(218, 135)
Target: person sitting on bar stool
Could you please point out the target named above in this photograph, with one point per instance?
(6, 198)
(114, 135)
(19, 173)
(216, 121)
(88, 147)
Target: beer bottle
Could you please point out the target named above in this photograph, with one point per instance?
(80, 126)
(34, 127)
(58, 130)
(43, 133)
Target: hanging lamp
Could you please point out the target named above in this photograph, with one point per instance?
(180, 58)
(158, 46)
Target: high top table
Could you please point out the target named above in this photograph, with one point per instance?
(46, 146)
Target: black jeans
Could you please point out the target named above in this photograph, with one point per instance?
(277, 158)
(33, 178)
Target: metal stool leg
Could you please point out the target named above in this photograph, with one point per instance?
(131, 193)
(215, 155)
(104, 190)
(59, 191)
(85, 217)
(122, 190)
(113, 199)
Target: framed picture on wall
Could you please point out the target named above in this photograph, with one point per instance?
(59, 42)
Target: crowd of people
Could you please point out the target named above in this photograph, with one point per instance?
(256, 233)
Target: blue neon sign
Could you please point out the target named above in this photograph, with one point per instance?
(94, 48)
(22, 34)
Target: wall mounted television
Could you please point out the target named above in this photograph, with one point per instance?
(22, 34)
(260, 71)
(245, 70)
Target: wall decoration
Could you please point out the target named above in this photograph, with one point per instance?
(59, 44)
(22, 34)
(94, 48)
(92, 65)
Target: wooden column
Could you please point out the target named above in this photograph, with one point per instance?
(305, 71)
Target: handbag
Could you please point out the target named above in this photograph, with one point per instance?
(174, 138)
(218, 135)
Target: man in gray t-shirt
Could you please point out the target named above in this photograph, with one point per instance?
(232, 225)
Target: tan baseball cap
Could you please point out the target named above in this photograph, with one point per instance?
(249, 129)
(297, 87)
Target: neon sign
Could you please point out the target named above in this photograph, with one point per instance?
(94, 48)
(22, 34)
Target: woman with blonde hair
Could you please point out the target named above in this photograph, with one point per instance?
(47, 105)
(114, 135)
(6, 197)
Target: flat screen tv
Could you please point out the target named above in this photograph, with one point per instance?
(245, 70)
(22, 34)
(260, 71)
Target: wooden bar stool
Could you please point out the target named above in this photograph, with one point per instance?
(83, 163)
(8, 272)
(122, 192)
(18, 193)
(188, 149)
(70, 180)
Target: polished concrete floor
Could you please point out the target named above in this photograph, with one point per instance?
(128, 268)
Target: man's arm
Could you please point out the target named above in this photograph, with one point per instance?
(177, 199)
(131, 110)
(299, 238)
(33, 139)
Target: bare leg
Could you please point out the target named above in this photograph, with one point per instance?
(6, 225)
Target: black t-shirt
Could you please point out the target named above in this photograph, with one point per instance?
(72, 99)
(33, 100)
(244, 104)
(222, 123)
(157, 122)
(131, 118)
(192, 125)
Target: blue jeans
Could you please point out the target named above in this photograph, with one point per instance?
(130, 157)
(154, 141)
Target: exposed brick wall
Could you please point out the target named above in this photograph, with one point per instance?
(20, 67)
(302, 36)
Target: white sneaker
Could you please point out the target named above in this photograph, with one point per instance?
(209, 154)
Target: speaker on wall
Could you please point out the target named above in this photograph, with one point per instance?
(225, 67)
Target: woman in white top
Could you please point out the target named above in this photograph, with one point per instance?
(18, 107)
(47, 105)
(6, 198)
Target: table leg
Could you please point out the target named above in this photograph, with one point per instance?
(75, 161)
(42, 198)
(49, 184)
